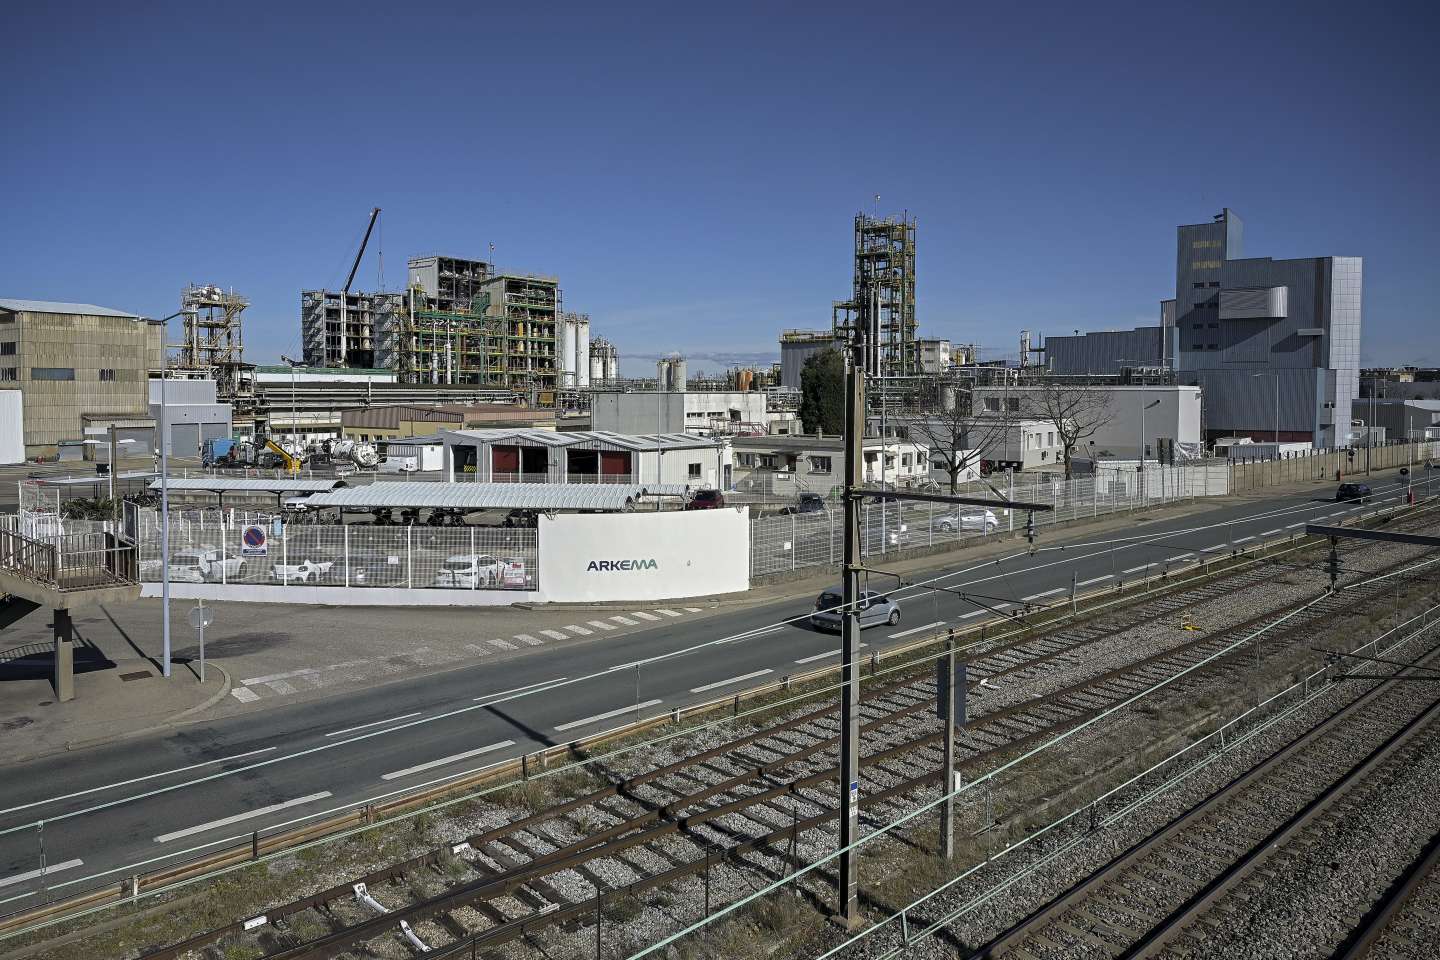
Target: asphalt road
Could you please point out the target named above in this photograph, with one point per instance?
(129, 807)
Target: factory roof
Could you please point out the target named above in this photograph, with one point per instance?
(582, 438)
(485, 496)
(52, 306)
(249, 485)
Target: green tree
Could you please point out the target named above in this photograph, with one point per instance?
(822, 392)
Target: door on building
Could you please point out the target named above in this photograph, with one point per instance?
(185, 440)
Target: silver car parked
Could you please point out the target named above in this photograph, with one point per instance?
(874, 609)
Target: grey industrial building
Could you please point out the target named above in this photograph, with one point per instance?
(1268, 341)
(77, 366)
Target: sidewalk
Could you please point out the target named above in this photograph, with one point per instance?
(123, 700)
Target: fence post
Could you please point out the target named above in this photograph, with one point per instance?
(794, 544)
(345, 545)
(284, 554)
(475, 584)
(409, 557)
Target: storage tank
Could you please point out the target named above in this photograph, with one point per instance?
(566, 360)
(581, 362)
(612, 363)
(597, 362)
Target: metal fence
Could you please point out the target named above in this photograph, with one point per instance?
(791, 542)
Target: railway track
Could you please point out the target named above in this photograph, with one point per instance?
(1187, 888)
(753, 797)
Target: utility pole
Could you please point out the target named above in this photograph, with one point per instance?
(849, 792)
(946, 708)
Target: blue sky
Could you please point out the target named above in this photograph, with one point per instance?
(691, 175)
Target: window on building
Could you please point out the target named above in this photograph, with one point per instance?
(1214, 326)
(7, 348)
(746, 459)
(1013, 403)
(1050, 439)
(9, 374)
(107, 374)
(1200, 285)
(694, 471)
(1205, 265)
(767, 461)
(905, 460)
(992, 404)
(52, 373)
(820, 464)
(1215, 284)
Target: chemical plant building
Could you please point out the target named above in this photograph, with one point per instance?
(459, 322)
(76, 365)
(584, 456)
(405, 421)
(814, 463)
(1262, 338)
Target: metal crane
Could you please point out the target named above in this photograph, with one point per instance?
(345, 293)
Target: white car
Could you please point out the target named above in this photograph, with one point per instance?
(306, 571)
(983, 521)
(466, 571)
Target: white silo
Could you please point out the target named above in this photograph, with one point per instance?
(581, 362)
(566, 360)
(597, 360)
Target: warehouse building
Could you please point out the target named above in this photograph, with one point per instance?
(586, 456)
(76, 364)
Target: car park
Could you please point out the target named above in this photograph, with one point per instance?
(467, 571)
(306, 571)
(377, 570)
(983, 521)
(873, 609)
(706, 500)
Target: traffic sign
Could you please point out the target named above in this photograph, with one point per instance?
(254, 541)
(201, 617)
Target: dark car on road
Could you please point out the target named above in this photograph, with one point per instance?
(706, 500)
(1352, 491)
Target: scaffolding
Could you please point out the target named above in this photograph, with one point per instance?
(883, 299)
(214, 344)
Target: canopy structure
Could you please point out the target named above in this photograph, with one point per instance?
(486, 496)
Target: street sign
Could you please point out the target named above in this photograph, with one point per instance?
(254, 541)
(201, 617)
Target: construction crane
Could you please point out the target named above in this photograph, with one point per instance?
(345, 293)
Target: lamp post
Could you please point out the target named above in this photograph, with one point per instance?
(1277, 408)
(164, 516)
(294, 408)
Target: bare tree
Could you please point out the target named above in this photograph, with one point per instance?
(956, 436)
(1076, 411)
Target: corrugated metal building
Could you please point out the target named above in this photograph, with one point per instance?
(586, 456)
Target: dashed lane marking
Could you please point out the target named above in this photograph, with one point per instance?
(578, 630)
(726, 683)
(15, 878)
(248, 815)
(624, 620)
(556, 634)
(421, 767)
(502, 644)
(643, 615)
(1046, 593)
(601, 624)
(906, 633)
(1086, 583)
(668, 613)
(532, 641)
(636, 708)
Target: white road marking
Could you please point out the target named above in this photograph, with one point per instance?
(15, 878)
(1292, 526)
(375, 723)
(1218, 546)
(972, 613)
(601, 624)
(556, 634)
(421, 767)
(1047, 593)
(280, 686)
(244, 694)
(1269, 533)
(529, 686)
(821, 656)
(694, 610)
(1086, 583)
(625, 620)
(1180, 557)
(761, 633)
(1136, 569)
(279, 676)
(607, 715)
(906, 633)
(502, 644)
(643, 615)
(532, 641)
(726, 683)
(249, 815)
(578, 630)
(668, 613)
(476, 649)
(1243, 539)
(126, 783)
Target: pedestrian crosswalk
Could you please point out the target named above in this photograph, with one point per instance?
(311, 678)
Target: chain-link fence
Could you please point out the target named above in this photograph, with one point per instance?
(796, 540)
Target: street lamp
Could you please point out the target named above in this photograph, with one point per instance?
(1277, 408)
(294, 415)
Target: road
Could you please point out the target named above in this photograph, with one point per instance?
(149, 800)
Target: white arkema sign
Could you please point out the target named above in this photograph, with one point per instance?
(644, 556)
